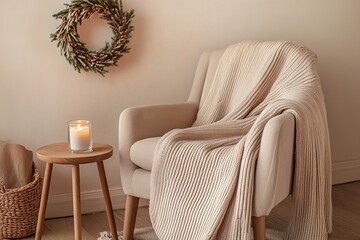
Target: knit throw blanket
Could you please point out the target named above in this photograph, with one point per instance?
(203, 176)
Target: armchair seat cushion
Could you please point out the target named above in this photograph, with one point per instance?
(142, 152)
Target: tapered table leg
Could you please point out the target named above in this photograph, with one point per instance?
(109, 209)
(76, 200)
(44, 198)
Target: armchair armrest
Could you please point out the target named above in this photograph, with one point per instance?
(137, 123)
(274, 169)
(155, 120)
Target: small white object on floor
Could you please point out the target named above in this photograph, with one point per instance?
(107, 236)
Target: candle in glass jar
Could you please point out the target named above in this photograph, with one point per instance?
(80, 136)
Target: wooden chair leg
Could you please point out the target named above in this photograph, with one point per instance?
(130, 217)
(259, 228)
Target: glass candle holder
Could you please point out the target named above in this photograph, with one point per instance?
(79, 136)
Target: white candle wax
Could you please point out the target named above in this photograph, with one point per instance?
(79, 137)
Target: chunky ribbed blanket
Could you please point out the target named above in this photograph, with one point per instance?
(203, 177)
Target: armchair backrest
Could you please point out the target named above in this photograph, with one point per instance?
(204, 75)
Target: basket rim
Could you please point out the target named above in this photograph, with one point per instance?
(36, 177)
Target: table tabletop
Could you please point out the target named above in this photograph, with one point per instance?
(60, 154)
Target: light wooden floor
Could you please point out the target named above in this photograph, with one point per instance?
(346, 218)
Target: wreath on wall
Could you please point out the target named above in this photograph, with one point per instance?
(75, 51)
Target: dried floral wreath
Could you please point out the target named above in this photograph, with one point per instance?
(75, 51)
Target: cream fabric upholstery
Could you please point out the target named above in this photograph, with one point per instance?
(142, 152)
(141, 127)
(143, 122)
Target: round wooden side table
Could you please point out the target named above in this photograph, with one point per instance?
(58, 153)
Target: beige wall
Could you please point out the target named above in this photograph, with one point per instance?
(40, 92)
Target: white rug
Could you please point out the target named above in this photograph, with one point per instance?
(149, 234)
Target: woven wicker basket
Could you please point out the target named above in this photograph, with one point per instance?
(19, 208)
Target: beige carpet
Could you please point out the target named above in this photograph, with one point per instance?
(149, 234)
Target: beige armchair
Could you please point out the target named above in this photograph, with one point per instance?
(141, 127)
